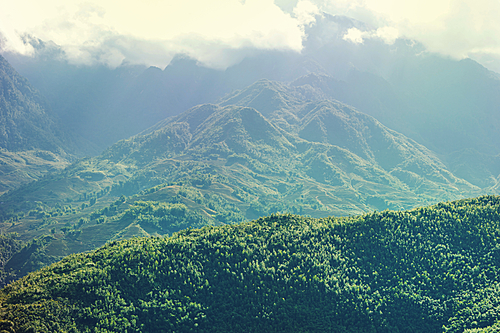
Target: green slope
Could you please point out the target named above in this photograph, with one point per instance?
(238, 148)
(430, 269)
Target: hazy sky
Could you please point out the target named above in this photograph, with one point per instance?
(217, 32)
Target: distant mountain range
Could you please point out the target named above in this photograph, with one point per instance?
(452, 107)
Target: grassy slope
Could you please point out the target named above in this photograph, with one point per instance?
(22, 167)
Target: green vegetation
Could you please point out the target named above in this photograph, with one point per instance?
(22, 167)
(8, 247)
(430, 269)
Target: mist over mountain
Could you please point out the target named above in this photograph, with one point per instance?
(445, 104)
(105, 105)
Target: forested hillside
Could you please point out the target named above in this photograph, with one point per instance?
(430, 269)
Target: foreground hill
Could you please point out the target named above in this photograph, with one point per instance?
(429, 269)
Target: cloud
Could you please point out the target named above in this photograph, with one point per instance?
(220, 32)
(468, 28)
(387, 34)
(355, 36)
(305, 12)
(109, 31)
(455, 28)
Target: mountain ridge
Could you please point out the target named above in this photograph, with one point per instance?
(402, 85)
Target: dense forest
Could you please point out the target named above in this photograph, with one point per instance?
(429, 269)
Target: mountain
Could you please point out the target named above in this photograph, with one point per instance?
(478, 168)
(447, 105)
(262, 150)
(452, 121)
(344, 127)
(32, 142)
(450, 106)
(429, 269)
(309, 141)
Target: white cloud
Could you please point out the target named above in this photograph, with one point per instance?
(200, 28)
(305, 11)
(355, 36)
(219, 32)
(456, 28)
(387, 34)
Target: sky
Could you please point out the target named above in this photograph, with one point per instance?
(220, 33)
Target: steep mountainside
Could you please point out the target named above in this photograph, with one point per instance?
(24, 122)
(31, 140)
(430, 269)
